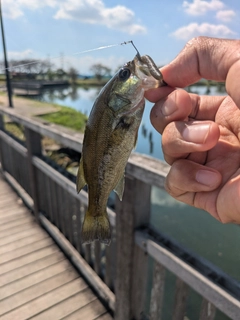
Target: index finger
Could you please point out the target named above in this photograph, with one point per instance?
(203, 57)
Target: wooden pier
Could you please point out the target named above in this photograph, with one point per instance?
(37, 281)
(118, 273)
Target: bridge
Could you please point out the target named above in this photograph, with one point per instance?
(116, 277)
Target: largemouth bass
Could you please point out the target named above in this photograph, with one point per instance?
(110, 135)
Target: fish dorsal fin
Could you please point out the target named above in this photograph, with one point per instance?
(81, 182)
(120, 187)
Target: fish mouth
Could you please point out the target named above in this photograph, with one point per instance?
(149, 82)
(146, 70)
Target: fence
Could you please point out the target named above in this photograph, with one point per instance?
(119, 272)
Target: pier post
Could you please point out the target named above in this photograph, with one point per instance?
(33, 143)
(132, 263)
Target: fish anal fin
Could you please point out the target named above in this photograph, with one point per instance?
(119, 189)
(96, 228)
(80, 177)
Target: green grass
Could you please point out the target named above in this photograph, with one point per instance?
(67, 117)
(16, 130)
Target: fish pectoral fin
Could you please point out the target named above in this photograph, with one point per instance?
(81, 182)
(136, 139)
(96, 228)
(120, 187)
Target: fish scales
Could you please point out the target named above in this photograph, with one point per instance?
(110, 135)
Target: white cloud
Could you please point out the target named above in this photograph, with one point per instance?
(87, 11)
(200, 7)
(94, 12)
(19, 55)
(204, 29)
(11, 9)
(225, 15)
(15, 8)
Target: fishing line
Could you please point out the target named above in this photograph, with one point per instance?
(74, 54)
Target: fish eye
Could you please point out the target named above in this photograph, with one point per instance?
(124, 74)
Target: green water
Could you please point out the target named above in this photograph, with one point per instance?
(198, 231)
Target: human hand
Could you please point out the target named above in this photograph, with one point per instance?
(201, 134)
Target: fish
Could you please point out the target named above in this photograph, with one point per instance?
(110, 136)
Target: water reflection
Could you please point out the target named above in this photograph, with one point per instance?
(208, 89)
(149, 137)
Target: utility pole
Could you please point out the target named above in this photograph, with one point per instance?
(9, 89)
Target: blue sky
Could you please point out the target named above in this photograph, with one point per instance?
(40, 29)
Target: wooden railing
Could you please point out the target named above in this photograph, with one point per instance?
(119, 272)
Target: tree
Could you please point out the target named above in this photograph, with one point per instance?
(60, 73)
(73, 74)
(100, 71)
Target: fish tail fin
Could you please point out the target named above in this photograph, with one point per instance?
(96, 228)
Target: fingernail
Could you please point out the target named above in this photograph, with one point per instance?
(169, 106)
(196, 133)
(208, 178)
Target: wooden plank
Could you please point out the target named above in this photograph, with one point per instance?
(48, 196)
(108, 276)
(180, 300)
(25, 250)
(6, 203)
(64, 136)
(132, 263)
(18, 233)
(58, 205)
(13, 209)
(30, 268)
(157, 292)
(78, 225)
(147, 169)
(42, 185)
(25, 198)
(18, 222)
(68, 185)
(34, 148)
(5, 189)
(53, 185)
(22, 242)
(67, 215)
(97, 257)
(208, 310)
(91, 311)
(8, 195)
(14, 214)
(2, 128)
(67, 306)
(29, 296)
(212, 292)
(13, 143)
(80, 264)
(34, 278)
(105, 316)
(88, 253)
(28, 258)
(46, 301)
(110, 262)
(28, 230)
(62, 210)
